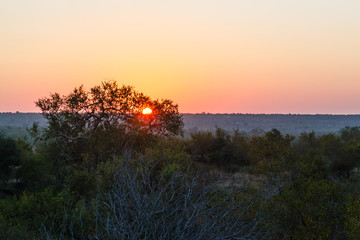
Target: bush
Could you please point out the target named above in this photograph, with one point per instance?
(23, 216)
(176, 206)
(221, 148)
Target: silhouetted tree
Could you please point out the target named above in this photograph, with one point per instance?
(91, 125)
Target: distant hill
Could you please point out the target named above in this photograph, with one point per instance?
(286, 123)
(21, 119)
(253, 124)
(15, 124)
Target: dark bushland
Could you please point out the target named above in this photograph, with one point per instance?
(102, 170)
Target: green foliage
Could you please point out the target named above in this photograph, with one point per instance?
(271, 153)
(308, 204)
(34, 171)
(21, 169)
(341, 156)
(222, 149)
(24, 216)
(350, 134)
(81, 183)
(352, 216)
(9, 161)
(200, 146)
(351, 149)
(308, 209)
(165, 159)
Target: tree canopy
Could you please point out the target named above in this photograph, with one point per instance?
(110, 105)
(107, 113)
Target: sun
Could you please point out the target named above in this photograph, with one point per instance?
(147, 111)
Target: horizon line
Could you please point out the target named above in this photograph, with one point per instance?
(233, 113)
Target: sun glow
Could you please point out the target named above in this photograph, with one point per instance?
(147, 111)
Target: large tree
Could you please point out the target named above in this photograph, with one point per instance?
(88, 126)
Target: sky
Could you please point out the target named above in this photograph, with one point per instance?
(216, 56)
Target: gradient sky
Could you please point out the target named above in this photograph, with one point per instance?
(218, 56)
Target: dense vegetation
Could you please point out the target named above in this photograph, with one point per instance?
(102, 170)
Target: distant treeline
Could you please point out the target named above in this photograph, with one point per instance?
(21, 119)
(257, 124)
(252, 124)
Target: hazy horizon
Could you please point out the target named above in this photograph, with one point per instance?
(229, 113)
(260, 56)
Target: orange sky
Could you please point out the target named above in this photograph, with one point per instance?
(218, 56)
